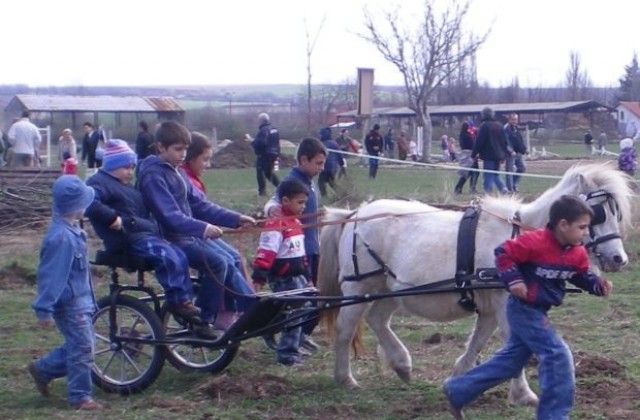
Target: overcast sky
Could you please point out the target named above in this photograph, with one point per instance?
(214, 42)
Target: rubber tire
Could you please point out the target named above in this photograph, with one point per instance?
(221, 359)
(145, 317)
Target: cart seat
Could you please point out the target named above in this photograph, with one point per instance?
(130, 263)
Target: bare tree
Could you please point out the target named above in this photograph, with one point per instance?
(577, 80)
(311, 44)
(427, 55)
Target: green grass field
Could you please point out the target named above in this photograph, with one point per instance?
(603, 334)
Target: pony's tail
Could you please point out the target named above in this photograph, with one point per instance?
(329, 273)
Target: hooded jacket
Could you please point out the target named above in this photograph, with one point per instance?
(181, 210)
(113, 199)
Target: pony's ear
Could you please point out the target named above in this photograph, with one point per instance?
(584, 183)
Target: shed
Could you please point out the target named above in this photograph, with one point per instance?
(119, 114)
(535, 111)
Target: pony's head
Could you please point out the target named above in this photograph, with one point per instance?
(608, 192)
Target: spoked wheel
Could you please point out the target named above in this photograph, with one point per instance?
(127, 367)
(189, 358)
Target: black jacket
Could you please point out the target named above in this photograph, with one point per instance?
(514, 139)
(491, 143)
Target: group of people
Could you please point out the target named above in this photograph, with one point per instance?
(493, 143)
(167, 220)
(627, 159)
(93, 148)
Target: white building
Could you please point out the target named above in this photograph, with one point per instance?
(629, 119)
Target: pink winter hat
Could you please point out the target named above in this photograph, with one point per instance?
(118, 155)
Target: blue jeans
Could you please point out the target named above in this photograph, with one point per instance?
(373, 168)
(264, 173)
(287, 351)
(232, 256)
(514, 163)
(491, 179)
(531, 333)
(170, 265)
(219, 277)
(74, 358)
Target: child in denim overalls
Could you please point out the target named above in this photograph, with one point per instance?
(65, 296)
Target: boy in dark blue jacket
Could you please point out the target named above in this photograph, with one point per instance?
(188, 219)
(535, 267)
(333, 163)
(121, 219)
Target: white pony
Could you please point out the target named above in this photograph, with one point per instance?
(418, 244)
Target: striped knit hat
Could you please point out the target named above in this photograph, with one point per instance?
(118, 155)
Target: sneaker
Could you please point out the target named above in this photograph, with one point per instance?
(270, 341)
(307, 343)
(41, 386)
(88, 405)
(290, 362)
(186, 310)
(206, 331)
(455, 412)
(304, 352)
(224, 320)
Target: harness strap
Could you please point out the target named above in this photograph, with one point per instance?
(515, 223)
(465, 258)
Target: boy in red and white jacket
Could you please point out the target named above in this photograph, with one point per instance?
(281, 259)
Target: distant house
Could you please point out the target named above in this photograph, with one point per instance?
(629, 119)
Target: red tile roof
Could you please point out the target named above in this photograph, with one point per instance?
(633, 107)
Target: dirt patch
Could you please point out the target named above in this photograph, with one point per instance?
(225, 389)
(239, 154)
(592, 365)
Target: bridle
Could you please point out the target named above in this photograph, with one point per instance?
(602, 198)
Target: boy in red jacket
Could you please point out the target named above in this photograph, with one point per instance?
(281, 259)
(535, 267)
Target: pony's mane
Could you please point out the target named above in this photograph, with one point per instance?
(607, 177)
(331, 214)
(504, 206)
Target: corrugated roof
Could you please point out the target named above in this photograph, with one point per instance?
(475, 109)
(633, 107)
(49, 103)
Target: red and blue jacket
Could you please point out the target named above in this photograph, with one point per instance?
(539, 261)
(281, 251)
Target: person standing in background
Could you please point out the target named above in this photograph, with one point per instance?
(491, 147)
(403, 146)
(266, 155)
(144, 142)
(602, 142)
(25, 140)
(588, 143)
(389, 145)
(91, 141)
(518, 149)
(374, 145)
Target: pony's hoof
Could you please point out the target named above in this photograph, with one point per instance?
(349, 383)
(529, 400)
(404, 375)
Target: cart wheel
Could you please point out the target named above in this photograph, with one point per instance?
(188, 358)
(129, 367)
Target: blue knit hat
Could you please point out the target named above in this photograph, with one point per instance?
(71, 195)
(118, 155)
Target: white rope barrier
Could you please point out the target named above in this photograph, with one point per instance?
(447, 167)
